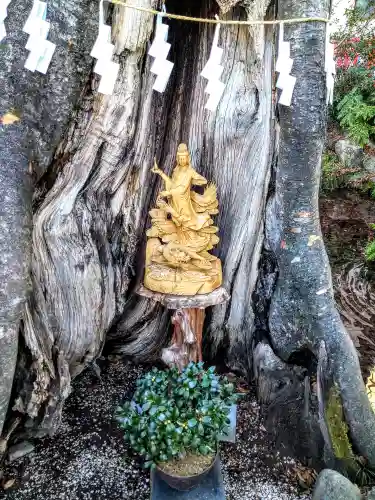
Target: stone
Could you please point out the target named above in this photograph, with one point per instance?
(350, 155)
(19, 450)
(331, 485)
(211, 488)
(369, 164)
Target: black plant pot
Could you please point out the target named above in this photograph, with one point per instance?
(185, 483)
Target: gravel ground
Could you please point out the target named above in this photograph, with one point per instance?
(88, 459)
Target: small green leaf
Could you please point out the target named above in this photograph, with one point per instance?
(204, 449)
(153, 410)
(192, 423)
(230, 387)
(162, 417)
(195, 443)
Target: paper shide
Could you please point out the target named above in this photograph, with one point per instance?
(40, 49)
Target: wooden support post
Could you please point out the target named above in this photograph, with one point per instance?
(188, 320)
(187, 336)
(196, 316)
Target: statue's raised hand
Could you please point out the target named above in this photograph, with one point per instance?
(155, 169)
(164, 194)
(160, 203)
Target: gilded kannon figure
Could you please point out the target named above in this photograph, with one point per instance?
(182, 234)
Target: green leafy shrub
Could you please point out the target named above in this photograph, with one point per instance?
(333, 172)
(354, 77)
(354, 96)
(357, 117)
(370, 248)
(370, 251)
(174, 413)
(336, 176)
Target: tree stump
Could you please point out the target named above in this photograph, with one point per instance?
(188, 320)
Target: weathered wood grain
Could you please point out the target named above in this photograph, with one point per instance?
(43, 104)
(232, 147)
(91, 208)
(85, 231)
(88, 236)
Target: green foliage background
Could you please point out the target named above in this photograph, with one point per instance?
(354, 103)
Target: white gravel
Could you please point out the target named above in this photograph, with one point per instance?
(88, 460)
(252, 469)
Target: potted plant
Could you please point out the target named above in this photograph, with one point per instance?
(174, 421)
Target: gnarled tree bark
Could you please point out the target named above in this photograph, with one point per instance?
(303, 313)
(43, 105)
(89, 229)
(91, 213)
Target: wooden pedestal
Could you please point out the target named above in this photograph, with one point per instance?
(188, 319)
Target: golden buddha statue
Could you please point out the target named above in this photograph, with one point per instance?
(178, 261)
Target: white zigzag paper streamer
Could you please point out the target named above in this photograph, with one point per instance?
(212, 72)
(41, 50)
(330, 65)
(103, 51)
(159, 49)
(284, 64)
(3, 15)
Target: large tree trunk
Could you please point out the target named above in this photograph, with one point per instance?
(303, 323)
(15, 252)
(89, 230)
(92, 204)
(44, 105)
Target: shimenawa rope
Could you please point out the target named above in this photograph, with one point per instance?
(219, 21)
